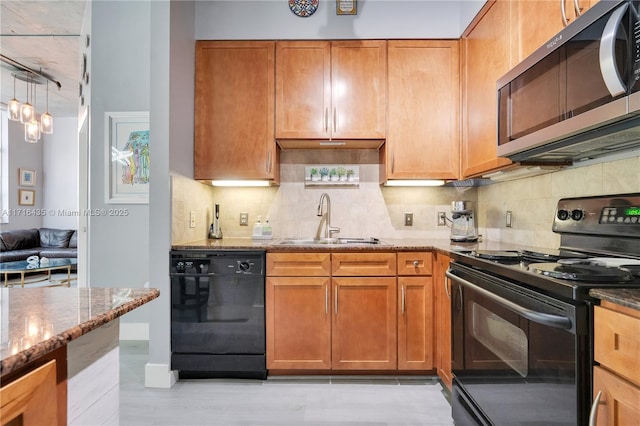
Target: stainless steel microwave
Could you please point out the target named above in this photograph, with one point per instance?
(577, 97)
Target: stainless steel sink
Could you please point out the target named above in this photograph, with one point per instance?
(330, 241)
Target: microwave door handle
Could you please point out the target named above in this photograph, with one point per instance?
(608, 68)
(555, 321)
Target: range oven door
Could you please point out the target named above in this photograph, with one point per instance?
(517, 356)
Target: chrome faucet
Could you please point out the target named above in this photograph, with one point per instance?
(328, 229)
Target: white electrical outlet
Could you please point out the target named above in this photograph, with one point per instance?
(192, 219)
(244, 219)
(442, 218)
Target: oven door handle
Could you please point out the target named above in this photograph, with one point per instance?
(555, 321)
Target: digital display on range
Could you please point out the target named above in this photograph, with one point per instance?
(632, 211)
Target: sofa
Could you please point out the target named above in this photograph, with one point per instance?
(19, 244)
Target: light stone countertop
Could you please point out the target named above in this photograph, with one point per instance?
(38, 321)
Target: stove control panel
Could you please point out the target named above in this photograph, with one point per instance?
(616, 215)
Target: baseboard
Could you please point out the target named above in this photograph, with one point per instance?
(159, 376)
(134, 330)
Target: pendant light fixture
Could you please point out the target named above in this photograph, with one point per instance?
(32, 128)
(13, 106)
(27, 111)
(46, 119)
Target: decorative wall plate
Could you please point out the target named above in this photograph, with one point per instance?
(303, 8)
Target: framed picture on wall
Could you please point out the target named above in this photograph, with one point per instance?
(26, 197)
(127, 157)
(27, 177)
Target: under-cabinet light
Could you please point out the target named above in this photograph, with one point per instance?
(400, 182)
(240, 183)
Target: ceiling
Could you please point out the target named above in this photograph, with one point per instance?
(44, 36)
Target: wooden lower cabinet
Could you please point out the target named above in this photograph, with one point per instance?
(364, 323)
(31, 399)
(617, 379)
(443, 320)
(415, 323)
(298, 323)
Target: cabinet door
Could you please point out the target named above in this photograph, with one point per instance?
(536, 22)
(443, 320)
(423, 140)
(364, 323)
(303, 89)
(234, 110)
(31, 399)
(415, 323)
(487, 52)
(298, 313)
(620, 400)
(358, 89)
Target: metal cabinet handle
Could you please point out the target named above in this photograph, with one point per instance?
(446, 287)
(336, 301)
(335, 120)
(593, 414)
(416, 263)
(607, 53)
(576, 7)
(402, 298)
(268, 161)
(326, 119)
(392, 161)
(563, 11)
(326, 299)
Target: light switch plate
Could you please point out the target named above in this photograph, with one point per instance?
(509, 219)
(408, 219)
(192, 219)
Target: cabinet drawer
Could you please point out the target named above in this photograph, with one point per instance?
(363, 264)
(298, 264)
(617, 342)
(415, 263)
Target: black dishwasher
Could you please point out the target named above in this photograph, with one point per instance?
(217, 313)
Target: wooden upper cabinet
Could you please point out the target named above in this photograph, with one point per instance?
(303, 89)
(423, 140)
(331, 89)
(234, 110)
(536, 22)
(487, 54)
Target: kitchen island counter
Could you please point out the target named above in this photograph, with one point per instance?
(60, 316)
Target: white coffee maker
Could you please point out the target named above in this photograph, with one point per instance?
(463, 223)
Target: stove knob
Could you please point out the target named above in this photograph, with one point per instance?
(577, 214)
(562, 214)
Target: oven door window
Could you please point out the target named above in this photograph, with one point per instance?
(505, 340)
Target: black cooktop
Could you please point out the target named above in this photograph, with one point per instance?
(559, 273)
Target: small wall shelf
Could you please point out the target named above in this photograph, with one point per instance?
(347, 175)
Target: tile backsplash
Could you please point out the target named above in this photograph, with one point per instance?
(371, 210)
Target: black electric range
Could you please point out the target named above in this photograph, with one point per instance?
(522, 320)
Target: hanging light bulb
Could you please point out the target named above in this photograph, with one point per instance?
(32, 131)
(13, 107)
(46, 119)
(27, 110)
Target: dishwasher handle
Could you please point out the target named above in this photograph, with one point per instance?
(555, 321)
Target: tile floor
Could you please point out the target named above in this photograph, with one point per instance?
(320, 401)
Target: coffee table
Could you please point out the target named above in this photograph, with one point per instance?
(22, 267)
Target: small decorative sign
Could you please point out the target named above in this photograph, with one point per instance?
(346, 7)
(332, 175)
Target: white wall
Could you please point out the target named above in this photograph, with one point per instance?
(272, 19)
(60, 175)
(120, 57)
(23, 155)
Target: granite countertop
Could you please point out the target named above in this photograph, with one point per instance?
(40, 320)
(625, 297)
(400, 244)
